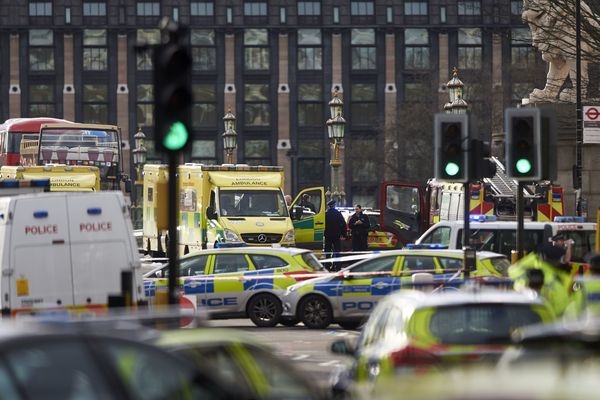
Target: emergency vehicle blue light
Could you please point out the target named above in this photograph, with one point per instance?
(569, 219)
(40, 214)
(222, 245)
(9, 183)
(482, 218)
(40, 182)
(94, 211)
(430, 246)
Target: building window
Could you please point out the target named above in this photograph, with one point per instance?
(522, 54)
(204, 110)
(95, 53)
(364, 150)
(204, 151)
(363, 107)
(310, 105)
(311, 163)
(516, 7)
(41, 50)
(363, 49)
(256, 50)
(95, 103)
(469, 48)
(469, 8)
(145, 105)
(144, 58)
(311, 8)
(310, 53)
(202, 8)
(148, 9)
(40, 8)
(416, 90)
(361, 8)
(256, 104)
(41, 100)
(94, 9)
(415, 8)
(416, 49)
(204, 53)
(255, 8)
(520, 91)
(257, 152)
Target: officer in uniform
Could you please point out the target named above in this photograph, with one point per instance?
(335, 228)
(587, 299)
(359, 223)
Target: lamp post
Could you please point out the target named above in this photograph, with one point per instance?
(140, 154)
(335, 131)
(229, 136)
(456, 105)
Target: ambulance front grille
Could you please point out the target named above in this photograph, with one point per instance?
(261, 238)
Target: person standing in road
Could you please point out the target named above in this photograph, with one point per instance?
(359, 224)
(335, 228)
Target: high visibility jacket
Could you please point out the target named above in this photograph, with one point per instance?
(556, 288)
(588, 296)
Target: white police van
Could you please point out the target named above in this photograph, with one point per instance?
(500, 236)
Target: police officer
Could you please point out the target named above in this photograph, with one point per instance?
(359, 223)
(588, 297)
(335, 228)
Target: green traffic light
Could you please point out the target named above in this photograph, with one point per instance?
(177, 137)
(451, 169)
(523, 166)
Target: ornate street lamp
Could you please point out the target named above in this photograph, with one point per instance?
(140, 154)
(335, 132)
(456, 105)
(229, 136)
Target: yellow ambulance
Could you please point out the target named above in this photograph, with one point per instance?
(63, 178)
(219, 205)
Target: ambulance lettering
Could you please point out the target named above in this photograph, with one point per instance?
(226, 301)
(33, 230)
(95, 227)
(358, 305)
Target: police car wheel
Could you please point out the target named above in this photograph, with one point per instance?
(350, 325)
(264, 310)
(289, 321)
(315, 312)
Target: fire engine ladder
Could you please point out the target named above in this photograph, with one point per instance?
(502, 185)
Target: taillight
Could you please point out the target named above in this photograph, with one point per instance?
(413, 356)
(300, 275)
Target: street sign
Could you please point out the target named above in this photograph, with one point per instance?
(591, 124)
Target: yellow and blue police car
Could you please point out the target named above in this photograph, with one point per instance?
(347, 297)
(240, 282)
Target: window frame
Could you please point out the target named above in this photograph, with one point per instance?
(364, 62)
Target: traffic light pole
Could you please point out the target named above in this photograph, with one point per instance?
(172, 245)
(520, 224)
(468, 256)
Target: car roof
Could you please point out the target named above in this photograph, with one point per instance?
(584, 330)
(513, 224)
(251, 249)
(418, 299)
(184, 337)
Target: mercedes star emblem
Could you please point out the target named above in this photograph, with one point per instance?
(262, 238)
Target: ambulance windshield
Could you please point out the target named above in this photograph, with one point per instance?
(252, 203)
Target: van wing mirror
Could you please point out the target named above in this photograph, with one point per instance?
(210, 213)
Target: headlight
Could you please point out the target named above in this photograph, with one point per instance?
(290, 236)
(230, 236)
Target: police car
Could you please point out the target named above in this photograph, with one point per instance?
(237, 282)
(347, 297)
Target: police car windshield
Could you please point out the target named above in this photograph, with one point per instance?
(252, 203)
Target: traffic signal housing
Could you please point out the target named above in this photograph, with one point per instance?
(172, 93)
(523, 144)
(451, 142)
(481, 164)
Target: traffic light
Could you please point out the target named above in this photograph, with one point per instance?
(481, 165)
(172, 93)
(451, 141)
(523, 143)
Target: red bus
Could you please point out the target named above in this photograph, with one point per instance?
(15, 129)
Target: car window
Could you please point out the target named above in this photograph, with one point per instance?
(379, 264)
(263, 261)
(438, 235)
(193, 266)
(57, 369)
(8, 390)
(450, 263)
(478, 323)
(500, 264)
(225, 263)
(374, 328)
(418, 263)
(312, 261)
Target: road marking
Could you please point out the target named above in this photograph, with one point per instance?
(329, 363)
(300, 357)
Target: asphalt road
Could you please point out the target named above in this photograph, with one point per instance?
(308, 349)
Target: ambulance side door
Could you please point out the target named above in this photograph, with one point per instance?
(40, 259)
(99, 250)
(308, 217)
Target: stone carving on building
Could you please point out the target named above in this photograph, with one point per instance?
(552, 25)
